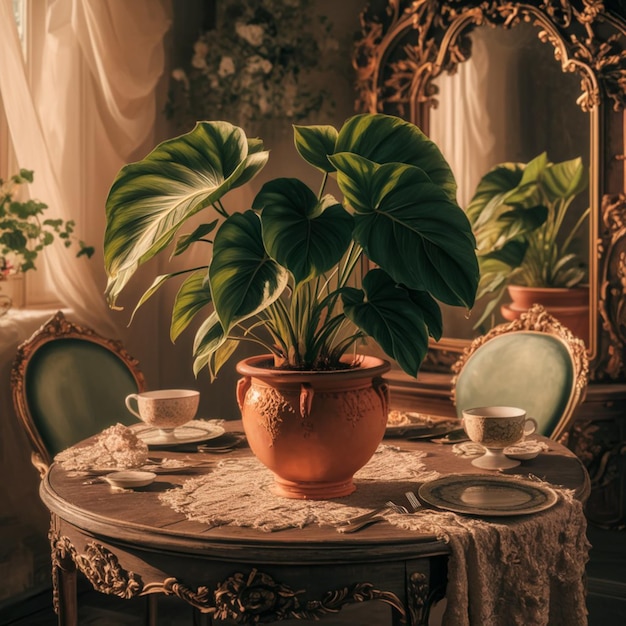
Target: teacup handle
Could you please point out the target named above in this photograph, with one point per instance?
(135, 397)
(530, 426)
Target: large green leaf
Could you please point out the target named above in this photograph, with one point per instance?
(565, 179)
(387, 139)
(430, 310)
(199, 234)
(512, 224)
(490, 192)
(150, 199)
(220, 356)
(409, 227)
(157, 283)
(315, 143)
(512, 254)
(244, 279)
(194, 294)
(387, 313)
(209, 337)
(528, 191)
(568, 271)
(305, 235)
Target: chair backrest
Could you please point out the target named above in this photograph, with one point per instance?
(534, 363)
(69, 383)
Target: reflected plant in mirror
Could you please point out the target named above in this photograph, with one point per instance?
(518, 214)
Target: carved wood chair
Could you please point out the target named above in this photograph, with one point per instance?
(533, 362)
(69, 383)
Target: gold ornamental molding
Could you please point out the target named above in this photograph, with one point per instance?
(97, 564)
(245, 598)
(612, 283)
(409, 43)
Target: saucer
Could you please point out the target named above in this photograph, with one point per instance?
(192, 432)
(522, 453)
(129, 479)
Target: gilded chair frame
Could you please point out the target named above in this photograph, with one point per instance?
(57, 328)
(538, 320)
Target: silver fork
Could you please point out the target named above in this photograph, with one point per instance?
(356, 523)
(389, 505)
(396, 508)
(415, 504)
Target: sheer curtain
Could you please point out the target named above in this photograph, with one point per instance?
(475, 124)
(85, 105)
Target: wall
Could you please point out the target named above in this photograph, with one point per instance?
(175, 361)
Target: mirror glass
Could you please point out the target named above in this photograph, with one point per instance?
(510, 101)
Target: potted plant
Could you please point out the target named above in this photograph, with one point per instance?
(518, 214)
(25, 232)
(284, 274)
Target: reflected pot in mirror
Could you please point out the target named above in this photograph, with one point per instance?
(313, 430)
(569, 306)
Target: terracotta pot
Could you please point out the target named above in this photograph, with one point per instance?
(569, 306)
(313, 430)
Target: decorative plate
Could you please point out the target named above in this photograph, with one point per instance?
(481, 494)
(193, 432)
(421, 431)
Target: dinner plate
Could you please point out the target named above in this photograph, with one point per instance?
(193, 432)
(224, 443)
(481, 494)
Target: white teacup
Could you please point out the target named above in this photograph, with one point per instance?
(495, 428)
(165, 409)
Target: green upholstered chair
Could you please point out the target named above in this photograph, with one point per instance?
(69, 383)
(533, 363)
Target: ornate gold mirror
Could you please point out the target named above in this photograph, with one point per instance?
(408, 63)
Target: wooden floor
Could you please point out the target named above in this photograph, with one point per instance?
(606, 599)
(98, 610)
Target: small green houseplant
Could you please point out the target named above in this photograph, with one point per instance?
(518, 216)
(24, 229)
(284, 265)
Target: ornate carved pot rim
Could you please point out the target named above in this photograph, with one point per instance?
(261, 366)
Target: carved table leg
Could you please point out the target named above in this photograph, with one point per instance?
(201, 619)
(151, 610)
(65, 597)
(417, 599)
(66, 603)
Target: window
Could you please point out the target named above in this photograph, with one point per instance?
(29, 16)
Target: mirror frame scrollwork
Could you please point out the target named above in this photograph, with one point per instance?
(405, 45)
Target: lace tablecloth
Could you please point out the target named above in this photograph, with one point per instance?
(523, 570)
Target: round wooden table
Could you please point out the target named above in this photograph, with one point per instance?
(133, 545)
